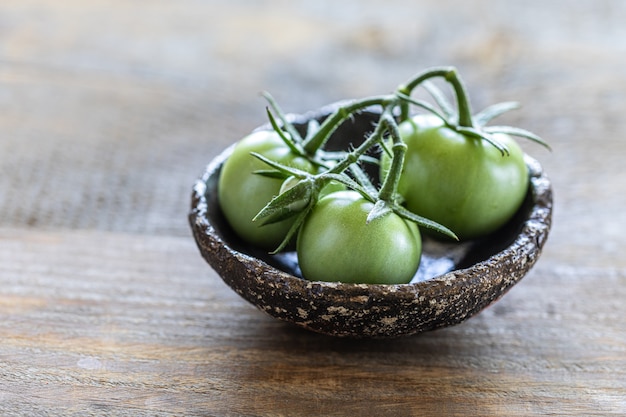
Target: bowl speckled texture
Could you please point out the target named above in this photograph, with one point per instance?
(455, 281)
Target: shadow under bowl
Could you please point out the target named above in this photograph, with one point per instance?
(454, 282)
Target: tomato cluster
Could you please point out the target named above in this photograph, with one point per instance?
(443, 170)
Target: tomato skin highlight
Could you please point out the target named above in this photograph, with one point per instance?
(336, 244)
(242, 194)
(462, 182)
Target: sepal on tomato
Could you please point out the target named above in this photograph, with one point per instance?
(288, 203)
(424, 222)
(381, 209)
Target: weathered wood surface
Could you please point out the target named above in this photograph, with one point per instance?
(110, 109)
(116, 323)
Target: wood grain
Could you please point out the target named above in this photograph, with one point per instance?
(110, 109)
(127, 325)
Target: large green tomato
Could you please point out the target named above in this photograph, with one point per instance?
(336, 244)
(461, 182)
(242, 194)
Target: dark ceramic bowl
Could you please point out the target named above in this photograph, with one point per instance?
(454, 282)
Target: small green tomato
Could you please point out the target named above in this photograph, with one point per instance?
(461, 182)
(336, 243)
(242, 194)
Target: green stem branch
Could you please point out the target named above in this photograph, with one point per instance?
(463, 103)
(450, 74)
(333, 121)
(390, 183)
(373, 139)
(408, 87)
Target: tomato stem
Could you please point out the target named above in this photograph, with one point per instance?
(392, 178)
(451, 75)
(414, 82)
(295, 136)
(332, 122)
(404, 110)
(463, 104)
(370, 141)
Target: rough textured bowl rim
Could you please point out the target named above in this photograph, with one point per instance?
(369, 310)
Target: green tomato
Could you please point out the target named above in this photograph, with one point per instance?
(336, 243)
(242, 194)
(463, 183)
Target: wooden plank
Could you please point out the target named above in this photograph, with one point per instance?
(119, 324)
(108, 111)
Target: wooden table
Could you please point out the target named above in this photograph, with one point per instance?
(110, 109)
